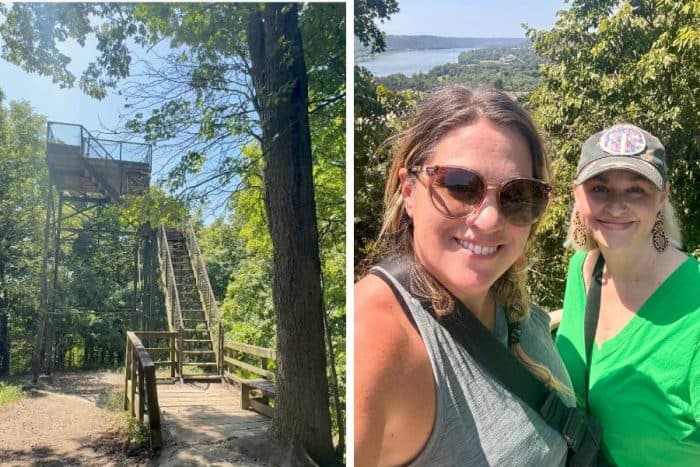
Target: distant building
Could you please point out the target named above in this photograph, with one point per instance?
(510, 58)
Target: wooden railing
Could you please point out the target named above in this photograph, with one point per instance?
(206, 294)
(233, 355)
(167, 277)
(140, 379)
(168, 343)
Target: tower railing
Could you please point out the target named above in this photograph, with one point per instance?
(72, 134)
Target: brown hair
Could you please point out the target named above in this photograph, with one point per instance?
(444, 110)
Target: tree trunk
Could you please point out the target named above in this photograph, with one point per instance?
(302, 415)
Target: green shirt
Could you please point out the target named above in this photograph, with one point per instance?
(645, 381)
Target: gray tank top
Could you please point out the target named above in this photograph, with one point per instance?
(478, 422)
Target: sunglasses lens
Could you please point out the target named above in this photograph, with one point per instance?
(456, 191)
(523, 201)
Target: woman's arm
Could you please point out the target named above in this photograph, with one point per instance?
(555, 319)
(394, 385)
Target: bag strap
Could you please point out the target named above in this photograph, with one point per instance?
(481, 344)
(591, 319)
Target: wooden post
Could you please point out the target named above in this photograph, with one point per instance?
(221, 349)
(153, 408)
(142, 392)
(173, 362)
(132, 390)
(180, 349)
(127, 370)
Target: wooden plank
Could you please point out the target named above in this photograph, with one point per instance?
(261, 408)
(153, 408)
(142, 394)
(233, 377)
(263, 385)
(251, 349)
(147, 391)
(133, 381)
(146, 334)
(249, 367)
(126, 373)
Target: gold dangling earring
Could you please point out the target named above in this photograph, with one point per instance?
(658, 235)
(579, 236)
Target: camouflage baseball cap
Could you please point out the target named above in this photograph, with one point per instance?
(624, 147)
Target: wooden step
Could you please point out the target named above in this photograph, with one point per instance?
(204, 364)
(197, 352)
(209, 377)
(195, 341)
(157, 349)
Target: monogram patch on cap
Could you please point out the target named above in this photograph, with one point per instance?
(623, 140)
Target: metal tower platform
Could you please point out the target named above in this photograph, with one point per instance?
(95, 168)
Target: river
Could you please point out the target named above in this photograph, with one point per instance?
(409, 62)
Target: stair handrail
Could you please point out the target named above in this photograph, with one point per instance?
(172, 300)
(206, 293)
(113, 193)
(140, 378)
(89, 138)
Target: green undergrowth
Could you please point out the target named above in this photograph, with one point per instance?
(10, 393)
(112, 401)
(136, 432)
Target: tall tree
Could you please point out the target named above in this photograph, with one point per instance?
(282, 103)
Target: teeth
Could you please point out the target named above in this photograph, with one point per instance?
(478, 249)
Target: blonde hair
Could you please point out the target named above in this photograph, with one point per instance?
(670, 222)
(444, 110)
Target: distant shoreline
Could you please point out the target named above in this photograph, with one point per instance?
(407, 43)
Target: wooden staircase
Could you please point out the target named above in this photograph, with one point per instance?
(101, 184)
(199, 358)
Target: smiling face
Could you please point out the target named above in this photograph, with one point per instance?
(467, 255)
(619, 208)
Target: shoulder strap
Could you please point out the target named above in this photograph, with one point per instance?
(480, 343)
(591, 319)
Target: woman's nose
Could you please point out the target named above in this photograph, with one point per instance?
(616, 203)
(486, 216)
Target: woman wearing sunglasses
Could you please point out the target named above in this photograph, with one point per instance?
(465, 191)
(642, 364)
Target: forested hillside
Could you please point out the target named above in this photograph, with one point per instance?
(514, 69)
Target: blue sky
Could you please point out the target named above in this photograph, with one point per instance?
(472, 18)
(68, 105)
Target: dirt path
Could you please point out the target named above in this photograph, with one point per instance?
(64, 424)
(67, 423)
